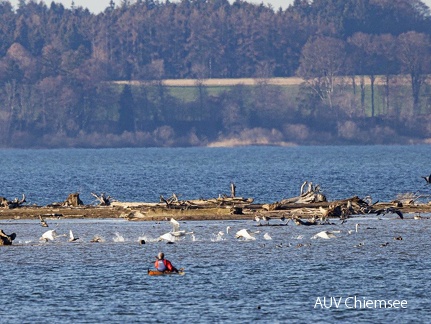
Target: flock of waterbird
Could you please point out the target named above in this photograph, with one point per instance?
(251, 235)
(264, 220)
(244, 234)
(52, 235)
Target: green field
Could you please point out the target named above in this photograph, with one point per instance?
(187, 91)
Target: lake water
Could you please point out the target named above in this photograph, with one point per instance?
(227, 280)
(267, 174)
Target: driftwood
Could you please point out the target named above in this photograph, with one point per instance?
(409, 198)
(12, 203)
(351, 206)
(173, 201)
(73, 200)
(233, 201)
(103, 200)
(320, 213)
(222, 201)
(232, 190)
(6, 239)
(313, 194)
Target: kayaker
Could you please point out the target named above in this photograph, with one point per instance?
(163, 265)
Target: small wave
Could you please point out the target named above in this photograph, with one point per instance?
(217, 237)
(298, 237)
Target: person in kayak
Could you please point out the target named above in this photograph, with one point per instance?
(163, 265)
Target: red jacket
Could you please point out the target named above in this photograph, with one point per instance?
(164, 265)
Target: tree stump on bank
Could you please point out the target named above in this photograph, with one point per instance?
(12, 203)
(73, 200)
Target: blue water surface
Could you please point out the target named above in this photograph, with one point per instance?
(266, 174)
(282, 280)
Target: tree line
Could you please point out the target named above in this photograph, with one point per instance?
(364, 63)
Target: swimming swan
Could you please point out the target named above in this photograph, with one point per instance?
(324, 235)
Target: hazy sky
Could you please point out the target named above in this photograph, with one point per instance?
(97, 6)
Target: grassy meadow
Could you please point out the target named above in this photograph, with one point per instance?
(187, 91)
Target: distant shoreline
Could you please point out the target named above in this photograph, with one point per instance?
(291, 81)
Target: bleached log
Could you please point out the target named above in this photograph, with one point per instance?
(12, 203)
(103, 200)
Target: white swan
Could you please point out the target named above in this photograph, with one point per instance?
(49, 235)
(324, 235)
(168, 237)
(176, 229)
(356, 229)
(219, 236)
(118, 237)
(175, 225)
(245, 234)
(175, 233)
(266, 236)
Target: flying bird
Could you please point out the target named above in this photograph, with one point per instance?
(245, 234)
(43, 223)
(175, 225)
(257, 219)
(390, 210)
(72, 238)
(49, 236)
(427, 179)
(176, 229)
(174, 234)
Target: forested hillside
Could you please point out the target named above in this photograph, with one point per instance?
(365, 66)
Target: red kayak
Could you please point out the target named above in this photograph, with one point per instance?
(163, 273)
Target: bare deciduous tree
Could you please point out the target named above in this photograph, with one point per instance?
(415, 58)
(322, 60)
